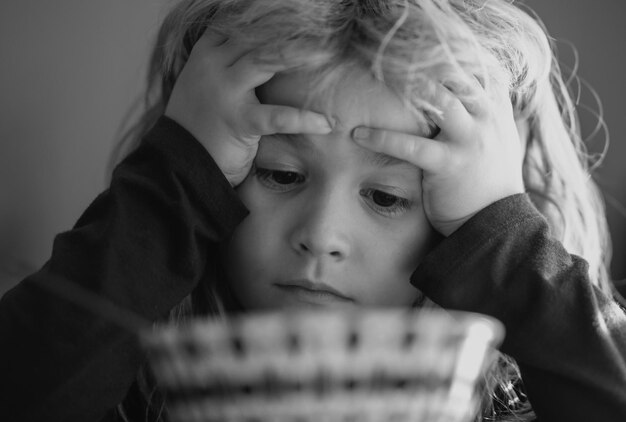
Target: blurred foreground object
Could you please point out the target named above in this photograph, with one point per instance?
(356, 365)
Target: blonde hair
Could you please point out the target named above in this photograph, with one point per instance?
(409, 44)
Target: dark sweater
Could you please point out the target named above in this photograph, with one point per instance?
(147, 241)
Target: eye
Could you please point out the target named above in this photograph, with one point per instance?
(384, 199)
(386, 203)
(280, 180)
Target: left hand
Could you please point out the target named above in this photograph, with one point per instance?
(475, 159)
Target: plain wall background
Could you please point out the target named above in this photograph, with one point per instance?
(70, 70)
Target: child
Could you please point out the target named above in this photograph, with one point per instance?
(380, 153)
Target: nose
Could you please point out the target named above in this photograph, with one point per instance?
(322, 229)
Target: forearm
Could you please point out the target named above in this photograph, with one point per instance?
(568, 337)
(141, 247)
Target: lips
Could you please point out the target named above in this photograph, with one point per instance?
(312, 292)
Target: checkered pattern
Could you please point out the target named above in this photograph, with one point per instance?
(358, 365)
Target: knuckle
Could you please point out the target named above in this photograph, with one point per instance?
(456, 161)
(252, 127)
(278, 120)
(380, 138)
(386, 141)
(249, 125)
(412, 148)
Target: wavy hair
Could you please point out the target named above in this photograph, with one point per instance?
(408, 45)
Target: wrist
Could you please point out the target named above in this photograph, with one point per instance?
(446, 228)
(466, 209)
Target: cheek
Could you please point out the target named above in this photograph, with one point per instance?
(241, 248)
(396, 254)
(256, 249)
(406, 246)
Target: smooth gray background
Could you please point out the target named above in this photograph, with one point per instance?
(70, 70)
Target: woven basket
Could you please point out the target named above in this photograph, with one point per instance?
(357, 365)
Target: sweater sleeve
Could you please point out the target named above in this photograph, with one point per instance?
(568, 337)
(139, 249)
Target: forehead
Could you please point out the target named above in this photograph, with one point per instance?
(355, 99)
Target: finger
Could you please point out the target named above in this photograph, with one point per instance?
(501, 95)
(250, 72)
(453, 118)
(209, 43)
(469, 92)
(265, 119)
(220, 49)
(212, 39)
(425, 153)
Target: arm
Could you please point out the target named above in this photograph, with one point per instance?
(568, 337)
(141, 245)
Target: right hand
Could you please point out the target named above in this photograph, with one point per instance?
(214, 99)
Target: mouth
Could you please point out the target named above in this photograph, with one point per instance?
(314, 293)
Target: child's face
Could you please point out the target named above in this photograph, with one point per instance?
(331, 223)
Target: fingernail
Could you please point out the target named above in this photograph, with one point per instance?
(325, 124)
(361, 134)
(332, 121)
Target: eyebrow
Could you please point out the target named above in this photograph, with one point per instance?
(373, 158)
